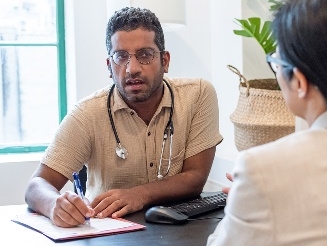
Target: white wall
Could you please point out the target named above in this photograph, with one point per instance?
(254, 61)
(14, 175)
(15, 171)
(86, 52)
(202, 48)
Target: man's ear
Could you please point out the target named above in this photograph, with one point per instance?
(109, 67)
(302, 84)
(165, 61)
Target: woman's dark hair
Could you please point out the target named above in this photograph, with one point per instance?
(130, 18)
(300, 28)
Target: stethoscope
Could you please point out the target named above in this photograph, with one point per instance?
(122, 152)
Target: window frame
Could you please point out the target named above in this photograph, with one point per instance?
(62, 87)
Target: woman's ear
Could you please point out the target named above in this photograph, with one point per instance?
(301, 83)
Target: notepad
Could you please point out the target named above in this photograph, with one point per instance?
(99, 227)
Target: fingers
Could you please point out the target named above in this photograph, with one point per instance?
(70, 210)
(111, 207)
(117, 203)
(80, 206)
(226, 190)
(120, 213)
(229, 177)
(63, 219)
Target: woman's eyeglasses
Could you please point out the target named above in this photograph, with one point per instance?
(275, 62)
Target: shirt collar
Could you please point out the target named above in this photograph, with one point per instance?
(320, 122)
(119, 102)
(167, 97)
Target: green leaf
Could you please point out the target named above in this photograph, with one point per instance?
(275, 5)
(251, 28)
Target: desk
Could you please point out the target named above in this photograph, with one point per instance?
(191, 233)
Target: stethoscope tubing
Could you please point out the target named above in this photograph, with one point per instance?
(122, 152)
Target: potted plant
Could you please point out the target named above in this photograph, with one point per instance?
(261, 115)
(251, 28)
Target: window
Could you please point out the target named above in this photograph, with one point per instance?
(32, 73)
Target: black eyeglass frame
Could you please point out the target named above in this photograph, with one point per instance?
(270, 59)
(135, 54)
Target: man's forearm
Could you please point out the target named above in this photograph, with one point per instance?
(183, 185)
(41, 196)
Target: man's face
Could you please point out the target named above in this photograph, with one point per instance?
(137, 82)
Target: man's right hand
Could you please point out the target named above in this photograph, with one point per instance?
(43, 196)
(70, 210)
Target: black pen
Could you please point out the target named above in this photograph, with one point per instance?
(79, 190)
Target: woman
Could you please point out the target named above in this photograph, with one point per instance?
(278, 196)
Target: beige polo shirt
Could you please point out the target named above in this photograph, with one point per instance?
(85, 136)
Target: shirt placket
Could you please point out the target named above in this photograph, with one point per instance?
(150, 149)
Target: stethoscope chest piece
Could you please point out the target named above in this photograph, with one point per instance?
(121, 151)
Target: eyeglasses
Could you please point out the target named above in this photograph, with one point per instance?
(274, 62)
(144, 56)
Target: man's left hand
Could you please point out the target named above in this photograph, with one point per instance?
(118, 202)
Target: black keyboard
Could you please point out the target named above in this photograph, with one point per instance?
(201, 205)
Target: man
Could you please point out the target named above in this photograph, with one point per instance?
(278, 195)
(145, 140)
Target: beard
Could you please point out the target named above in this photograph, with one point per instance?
(148, 88)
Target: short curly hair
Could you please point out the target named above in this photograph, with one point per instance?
(131, 18)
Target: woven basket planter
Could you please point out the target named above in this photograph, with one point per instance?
(261, 115)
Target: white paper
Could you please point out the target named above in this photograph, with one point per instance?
(97, 226)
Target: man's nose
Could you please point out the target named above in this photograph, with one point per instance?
(133, 66)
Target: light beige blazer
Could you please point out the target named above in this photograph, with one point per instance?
(279, 193)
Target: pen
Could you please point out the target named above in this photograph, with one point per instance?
(79, 190)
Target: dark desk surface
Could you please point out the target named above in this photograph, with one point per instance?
(192, 233)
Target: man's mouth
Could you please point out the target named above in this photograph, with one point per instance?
(134, 84)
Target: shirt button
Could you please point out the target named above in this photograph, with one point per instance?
(151, 164)
(131, 113)
(149, 133)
